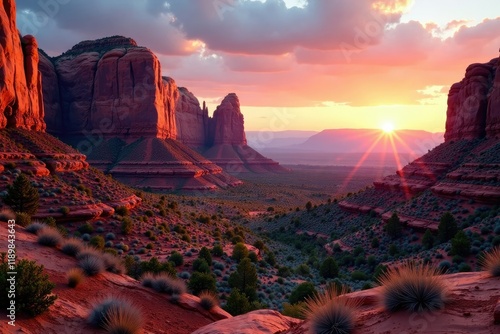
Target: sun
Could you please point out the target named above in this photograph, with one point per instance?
(388, 128)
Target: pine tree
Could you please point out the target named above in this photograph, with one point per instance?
(22, 196)
(205, 254)
(237, 303)
(460, 244)
(240, 251)
(245, 279)
(428, 239)
(393, 226)
(329, 268)
(447, 227)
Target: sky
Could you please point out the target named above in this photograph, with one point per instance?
(295, 64)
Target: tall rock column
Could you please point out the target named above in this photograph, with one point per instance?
(227, 124)
(21, 103)
(493, 114)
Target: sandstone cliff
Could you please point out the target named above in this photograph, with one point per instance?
(227, 124)
(110, 86)
(21, 103)
(474, 103)
(192, 120)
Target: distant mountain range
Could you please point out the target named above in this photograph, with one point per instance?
(345, 147)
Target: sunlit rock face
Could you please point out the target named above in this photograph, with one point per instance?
(21, 103)
(474, 103)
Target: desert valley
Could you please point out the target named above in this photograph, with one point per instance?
(130, 205)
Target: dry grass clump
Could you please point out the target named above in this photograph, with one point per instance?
(113, 263)
(34, 227)
(208, 300)
(147, 280)
(414, 288)
(165, 283)
(116, 316)
(49, 236)
(91, 261)
(75, 276)
(491, 262)
(72, 246)
(331, 312)
(6, 215)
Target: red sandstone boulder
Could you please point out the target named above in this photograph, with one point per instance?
(20, 84)
(493, 113)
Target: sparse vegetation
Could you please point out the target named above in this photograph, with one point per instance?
(74, 276)
(208, 300)
(22, 196)
(72, 246)
(49, 236)
(491, 262)
(116, 315)
(413, 288)
(331, 313)
(33, 287)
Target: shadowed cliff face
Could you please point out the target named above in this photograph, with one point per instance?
(21, 102)
(474, 103)
(110, 86)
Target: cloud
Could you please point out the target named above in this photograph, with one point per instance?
(270, 27)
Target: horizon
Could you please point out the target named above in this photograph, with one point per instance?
(390, 61)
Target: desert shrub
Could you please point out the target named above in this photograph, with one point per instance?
(50, 221)
(147, 280)
(331, 313)
(271, 259)
(92, 265)
(122, 211)
(35, 227)
(302, 292)
(97, 241)
(110, 236)
(49, 236)
(22, 196)
(74, 277)
(294, 310)
(6, 215)
(205, 254)
(329, 268)
(217, 251)
(165, 283)
(23, 219)
(127, 225)
(240, 251)
(103, 312)
(413, 288)
(64, 210)
(72, 246)
(393, 226)
(491, 262)
(208, 300)
(200, 282)
(113, 263)
(237, 303)
(33, 287)
(124, 320)
(460, 244)
(253, 257)
(176, 258)
(375, 243)
(259, 244)
(447, 227)
(358, 276)
(309, 206)
(86, 228)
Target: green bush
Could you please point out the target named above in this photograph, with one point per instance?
(217, 251)
(86, 228)
(329, 268)
(200, 265)
(240, 252)
(237, 303)
(33, 287)
(97, 241)
(428, 239)
(205, 254)
(22, 196)
(176, 258)
(127, 225)
(201, 282)
(122, 211)
(302, 292)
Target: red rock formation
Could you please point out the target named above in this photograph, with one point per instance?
(493, 114)
(227, 125)
(52, 106)
(20, 84)
(468, 104)
(192, 120)
(110, 87)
